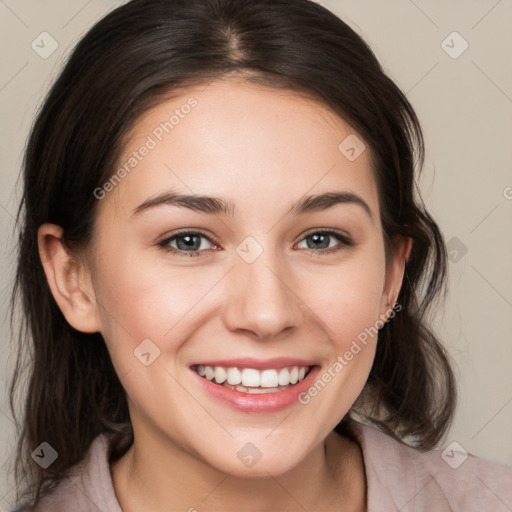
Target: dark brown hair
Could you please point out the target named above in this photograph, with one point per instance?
(126, 64)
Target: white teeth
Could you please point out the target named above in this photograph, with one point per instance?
(284, 377)
(269, 379)
(250, 377)
(254, 390)
(256, 381)
(234, 376)
(209, 373)
(220, 374)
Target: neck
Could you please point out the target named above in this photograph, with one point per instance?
(331, 477)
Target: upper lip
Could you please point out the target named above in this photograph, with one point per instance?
(257, 364)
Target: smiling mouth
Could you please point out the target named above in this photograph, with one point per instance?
(251, 380)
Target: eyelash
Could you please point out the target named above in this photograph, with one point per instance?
(345, 242)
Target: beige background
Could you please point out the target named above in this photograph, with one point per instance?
(465, 106)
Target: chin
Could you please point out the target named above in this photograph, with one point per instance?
(263, 468)
(254, 457)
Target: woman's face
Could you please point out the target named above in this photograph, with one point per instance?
(248, 291)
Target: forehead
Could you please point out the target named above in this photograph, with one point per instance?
(244, 141)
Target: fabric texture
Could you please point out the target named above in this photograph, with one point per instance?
(399, 478)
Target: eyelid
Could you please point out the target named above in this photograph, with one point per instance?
(189, 231)
(329, 231)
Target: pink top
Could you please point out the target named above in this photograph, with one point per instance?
(399, 478)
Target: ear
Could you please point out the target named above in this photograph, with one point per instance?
(394, 275)
(69, 280)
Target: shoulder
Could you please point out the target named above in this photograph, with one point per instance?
(88, 485)
(408, 479)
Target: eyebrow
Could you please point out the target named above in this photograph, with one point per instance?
(219, 206)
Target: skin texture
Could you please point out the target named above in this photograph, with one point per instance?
(263, 149)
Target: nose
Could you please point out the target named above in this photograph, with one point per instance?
(262, 299)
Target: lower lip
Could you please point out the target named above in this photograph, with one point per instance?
(259, 403)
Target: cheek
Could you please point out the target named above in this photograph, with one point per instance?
(347, 298)
(347, 301)
(150, 301)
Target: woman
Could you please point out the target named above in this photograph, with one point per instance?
(225, 271)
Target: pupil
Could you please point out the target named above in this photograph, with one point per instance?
(189, 242)
(318, 237)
